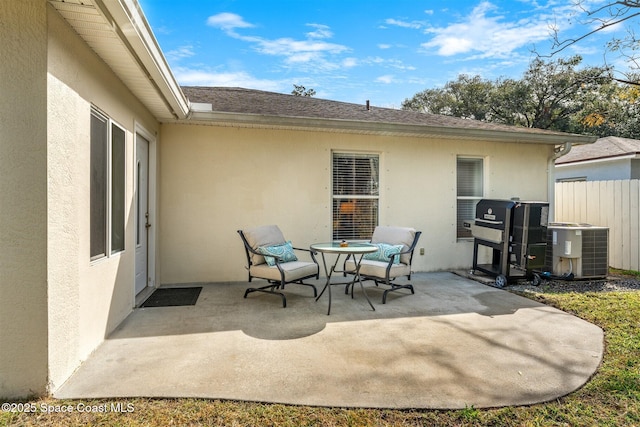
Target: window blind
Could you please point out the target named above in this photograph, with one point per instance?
(469, 177)
(470, 189)
(355, 195)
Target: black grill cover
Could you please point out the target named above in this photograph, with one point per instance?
(494, 213)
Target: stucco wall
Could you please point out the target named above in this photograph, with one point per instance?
(87, 300)
(23, 198)
(216, 180)
(595, 171)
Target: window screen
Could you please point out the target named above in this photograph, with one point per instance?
(107, 186)
(117, 188)
(355, 195)
(470, 189)
(98, 185)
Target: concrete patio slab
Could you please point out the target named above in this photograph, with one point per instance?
(455, 343)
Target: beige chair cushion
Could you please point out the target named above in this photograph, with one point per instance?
(378, 268)
(395, 236)
(293, 270)
(267, 235)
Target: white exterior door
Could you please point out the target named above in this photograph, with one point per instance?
(142, 213)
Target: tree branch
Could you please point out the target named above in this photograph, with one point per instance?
(563, 45)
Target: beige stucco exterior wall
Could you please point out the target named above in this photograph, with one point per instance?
(56, 306)
(23, 198)
(215, 180)
(87, 300)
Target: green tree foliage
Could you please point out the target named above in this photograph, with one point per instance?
(548, 95)
(612, 111)
(467, 97)
(554, 95)
(302, 91)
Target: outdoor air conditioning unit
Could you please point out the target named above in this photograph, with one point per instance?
(578, 249)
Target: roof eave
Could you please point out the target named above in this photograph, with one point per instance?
(128, 17)
(600, 159)
(118, 32)
(382, 128)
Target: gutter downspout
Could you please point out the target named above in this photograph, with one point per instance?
(558, 152)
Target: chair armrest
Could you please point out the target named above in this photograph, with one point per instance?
(278, 258)
(312, 253)
(278, 261)
(275, 257)
(253, 251)
(303, 249)
(402, 253)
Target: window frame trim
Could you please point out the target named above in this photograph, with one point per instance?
(109, 253)
(478, 198)
(334, 197)
(124, 189)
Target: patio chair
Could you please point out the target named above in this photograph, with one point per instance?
(391, 261)
(272, 258)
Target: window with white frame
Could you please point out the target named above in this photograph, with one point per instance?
(356, 193)
(470, 189)
(107, 186)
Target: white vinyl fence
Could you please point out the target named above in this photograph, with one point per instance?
(613, 204)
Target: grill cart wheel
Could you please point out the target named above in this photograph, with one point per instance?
(501, 281)
(536, 279)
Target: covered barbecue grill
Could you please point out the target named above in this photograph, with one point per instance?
(515, 231)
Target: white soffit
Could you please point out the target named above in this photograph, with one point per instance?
(127, 46)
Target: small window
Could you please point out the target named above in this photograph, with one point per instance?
(107, 186)
(98, 185)
(470, 189)
(117, 188)
(355, 195)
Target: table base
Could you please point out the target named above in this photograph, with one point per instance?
(352, 283)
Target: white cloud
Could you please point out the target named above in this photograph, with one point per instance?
(387, 79)
(487, 36)
(289, 47)
(404, 24)
(310, 54)
(321, 32)
(399, 65)
(384, 46)
(349, 62)
(180, 53)
(610, 29)
(380, 62)
(228, 21)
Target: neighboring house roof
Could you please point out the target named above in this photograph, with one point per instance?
(604, 148)
(259, 108)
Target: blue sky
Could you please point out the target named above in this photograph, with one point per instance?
(351, 50)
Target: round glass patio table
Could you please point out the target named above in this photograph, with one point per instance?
(351, 249)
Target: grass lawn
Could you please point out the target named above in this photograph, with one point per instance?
(611, 398)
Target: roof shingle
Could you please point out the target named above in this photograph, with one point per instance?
(249, 101)
(611, 146)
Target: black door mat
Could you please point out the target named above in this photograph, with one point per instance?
(172, 297)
